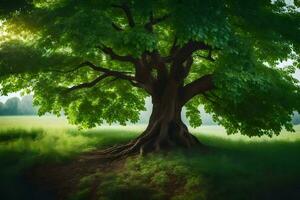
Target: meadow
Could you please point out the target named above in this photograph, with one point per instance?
(235, 167)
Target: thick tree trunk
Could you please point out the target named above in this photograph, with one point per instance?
(165, 129)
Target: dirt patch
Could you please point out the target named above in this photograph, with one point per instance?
(61, 180)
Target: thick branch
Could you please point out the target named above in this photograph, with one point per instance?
(142, 77)
(187, 50)
(127, 12)
(109, 51)
(182, 55)
(199, 86)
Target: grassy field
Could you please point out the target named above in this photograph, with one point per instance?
(236, 167)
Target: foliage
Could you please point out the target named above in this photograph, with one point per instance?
(43, 44)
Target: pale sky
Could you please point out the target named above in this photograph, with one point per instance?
(4, 98)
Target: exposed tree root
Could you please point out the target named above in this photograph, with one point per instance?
(158, 136)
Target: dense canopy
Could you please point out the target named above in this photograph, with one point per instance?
(85, 57)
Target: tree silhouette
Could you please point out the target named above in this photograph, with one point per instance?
(15, 106)
(11, 106)
(99, 60)
(1, 108)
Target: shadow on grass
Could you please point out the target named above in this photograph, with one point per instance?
(14, 134)
(21, 149)
(231, 170)
(254, 169)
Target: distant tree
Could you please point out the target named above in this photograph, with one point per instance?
(1, 108)
(26, 107)
(12, 106)
(296, 118)
(99, 60)
(15, 106)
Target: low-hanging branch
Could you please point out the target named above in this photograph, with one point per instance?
(101, 77)
(86, 85)
(187, 50)
(81, 65)
(118, 74)
(106, 73)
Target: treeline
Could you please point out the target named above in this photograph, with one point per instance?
(24, 106)
(17, 106)
(296, 119)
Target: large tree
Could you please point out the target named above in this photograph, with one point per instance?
(98, 61)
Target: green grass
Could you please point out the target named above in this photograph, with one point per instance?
(237, 167)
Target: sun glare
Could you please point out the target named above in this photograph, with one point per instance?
(12, 32)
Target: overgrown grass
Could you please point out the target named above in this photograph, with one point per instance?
(258, 170)
(27, 141)
(236, 167)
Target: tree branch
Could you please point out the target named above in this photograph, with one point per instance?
(182, 55)
(187, 50)
(118, 74)
(127, 12)
(106, 73)
(199, 86)
(87, 85)
(109, 51)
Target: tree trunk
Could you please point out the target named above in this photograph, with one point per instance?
(164, 131)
